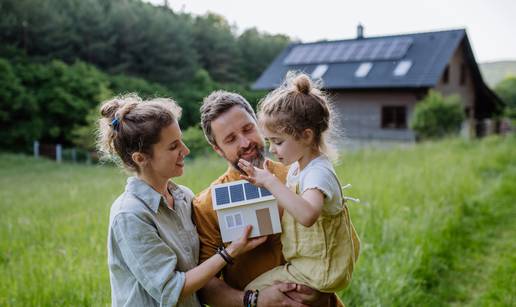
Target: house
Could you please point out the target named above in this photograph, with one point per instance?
(238, 204)
(375, 82)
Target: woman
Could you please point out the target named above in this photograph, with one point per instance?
(152, 243)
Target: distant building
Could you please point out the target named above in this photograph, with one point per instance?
(375, 82)
(239, 204)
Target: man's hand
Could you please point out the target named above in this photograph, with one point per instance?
(308, 296)
(275, 295)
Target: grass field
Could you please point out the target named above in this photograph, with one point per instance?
(437, 223)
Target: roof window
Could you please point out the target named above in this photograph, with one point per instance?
(319, 71)
(402, 68)
(363, 69)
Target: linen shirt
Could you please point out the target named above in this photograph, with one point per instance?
(150, 246)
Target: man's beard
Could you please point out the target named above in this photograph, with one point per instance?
(256, 161)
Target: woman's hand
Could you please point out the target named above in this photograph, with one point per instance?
(256, 176)
(244, 244)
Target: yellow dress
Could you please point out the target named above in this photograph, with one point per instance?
(321, 256)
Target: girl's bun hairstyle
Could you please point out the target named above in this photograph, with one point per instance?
(302, 83)
(296, 105)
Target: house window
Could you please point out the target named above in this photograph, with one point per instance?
(446, 75)
(319, 71)
(462, 74)
(402, 68)
(363, 70)
(234, 220)
(394, 117)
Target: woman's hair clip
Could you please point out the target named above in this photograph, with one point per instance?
(115, 123)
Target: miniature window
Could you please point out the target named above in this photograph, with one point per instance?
(235, 220)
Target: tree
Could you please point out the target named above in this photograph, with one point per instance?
(217, 48)
(19, 120)
(64, 94)
(437, 116)
(258, 50)
(506, 89)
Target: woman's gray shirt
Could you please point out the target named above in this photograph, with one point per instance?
(150, 246)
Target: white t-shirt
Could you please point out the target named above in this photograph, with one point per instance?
(318, 174)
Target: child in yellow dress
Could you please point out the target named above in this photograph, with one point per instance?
(319, 241)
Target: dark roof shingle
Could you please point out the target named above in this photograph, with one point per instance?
(429, 53)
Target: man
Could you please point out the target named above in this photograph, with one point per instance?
(229, 124)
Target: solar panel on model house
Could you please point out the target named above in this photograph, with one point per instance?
(238, 192)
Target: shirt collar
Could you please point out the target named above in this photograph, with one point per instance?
(145, 192)
(232, 174)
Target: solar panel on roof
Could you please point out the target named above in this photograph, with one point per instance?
(222, 196)
(265, 192)
(359, 52)
(376, 50)
(334, 55)
(347, 52)
(367, 50)
(327, 51)
(251, 191)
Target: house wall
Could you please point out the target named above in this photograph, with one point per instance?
(359, 114)
(249, 218)
(466, 91)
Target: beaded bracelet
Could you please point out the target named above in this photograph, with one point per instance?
(247, 295)
(251, 298)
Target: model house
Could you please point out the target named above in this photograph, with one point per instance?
(375, 82)
(239, 204)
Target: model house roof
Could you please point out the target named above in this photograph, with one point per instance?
(238, 193)
(398, 61)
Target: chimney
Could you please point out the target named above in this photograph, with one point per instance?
(360, 31)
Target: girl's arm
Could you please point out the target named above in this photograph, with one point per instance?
(305, 208)
(197, 277)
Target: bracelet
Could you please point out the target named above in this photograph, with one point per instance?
(247, 295)
(225, 255)
(251, 298)
(254, 303)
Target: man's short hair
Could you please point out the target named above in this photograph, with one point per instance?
(216, 104)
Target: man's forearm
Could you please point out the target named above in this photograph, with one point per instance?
(217, 293)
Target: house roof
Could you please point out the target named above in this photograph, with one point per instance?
(338, 61)
(238, 193)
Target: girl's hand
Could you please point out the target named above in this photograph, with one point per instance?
(256, 176)
(244, 244)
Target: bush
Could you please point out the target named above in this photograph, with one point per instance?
(437, 116)
(506, 89)
(194, 139)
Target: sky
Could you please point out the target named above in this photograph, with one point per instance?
(490, 24)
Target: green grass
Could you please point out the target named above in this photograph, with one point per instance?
(436, 222)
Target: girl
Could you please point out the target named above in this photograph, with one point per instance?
(152, 243)
(320, 244)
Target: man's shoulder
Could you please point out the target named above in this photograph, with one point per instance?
(202, 201)
(279, 169)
